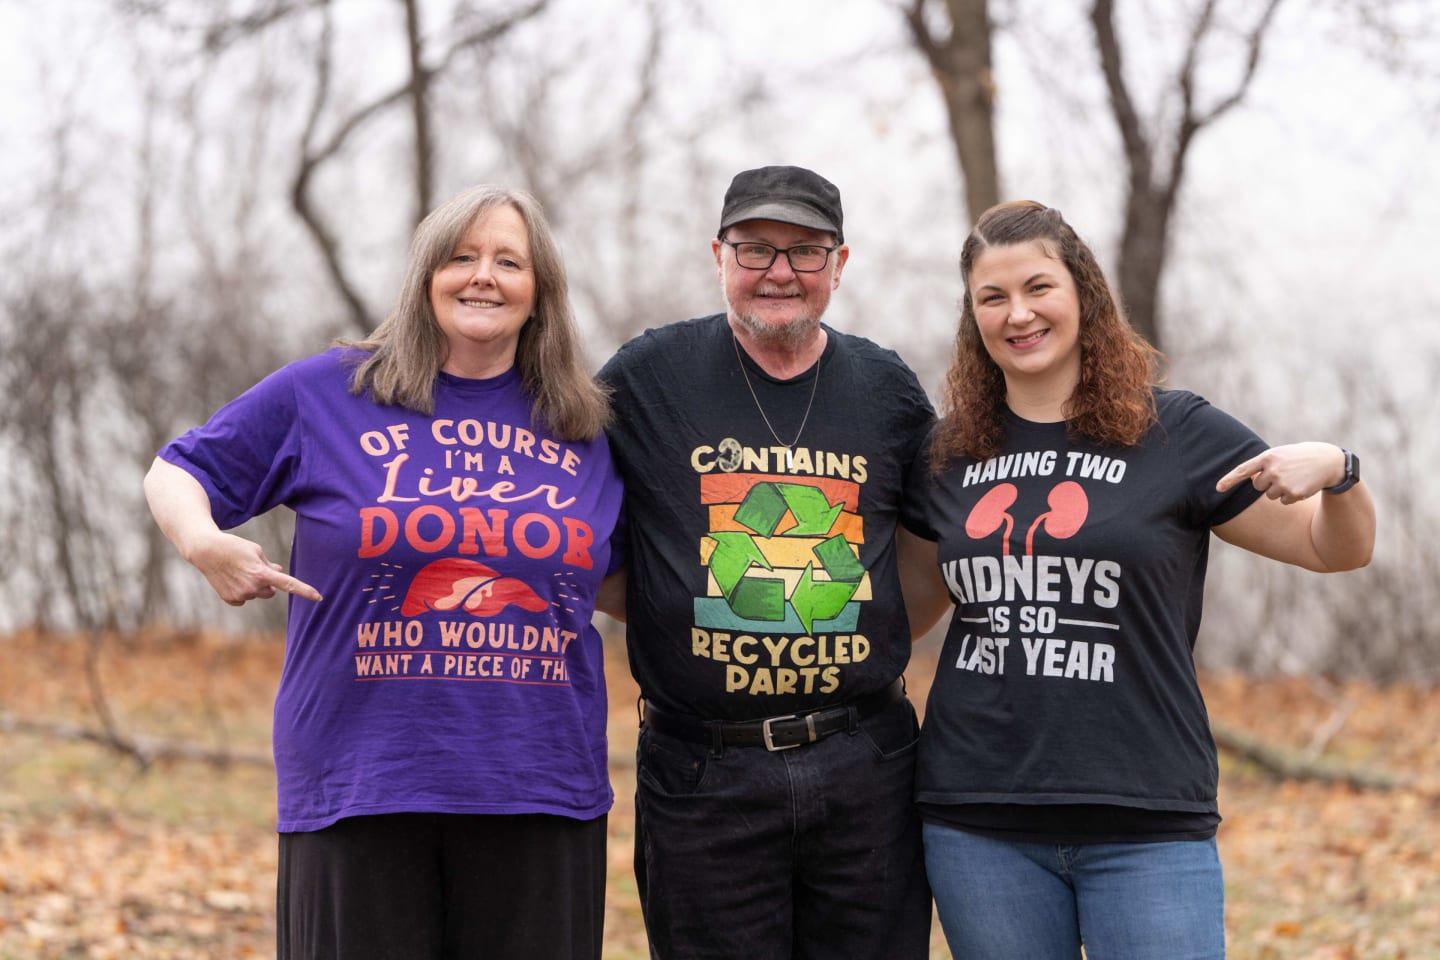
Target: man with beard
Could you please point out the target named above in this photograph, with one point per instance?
(764, 456)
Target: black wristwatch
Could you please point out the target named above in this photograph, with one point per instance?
(1352, 473)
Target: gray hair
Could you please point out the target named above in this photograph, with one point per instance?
(408, 349)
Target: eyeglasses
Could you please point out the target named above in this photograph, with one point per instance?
(806, 258)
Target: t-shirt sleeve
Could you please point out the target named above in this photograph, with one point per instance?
(616, 373)
(246, 456)
(919, 489)
(619, 542)
(915, 418)
(1212, 443)
(609, 375)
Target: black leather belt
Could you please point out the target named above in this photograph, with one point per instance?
(774, 733)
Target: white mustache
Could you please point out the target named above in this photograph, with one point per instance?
(778, 291)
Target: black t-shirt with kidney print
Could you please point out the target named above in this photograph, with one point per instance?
(1078, 572)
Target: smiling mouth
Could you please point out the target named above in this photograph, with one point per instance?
(481, 303)
(1029, 340)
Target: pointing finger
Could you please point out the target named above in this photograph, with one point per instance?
(295, 587)
(1247, 469)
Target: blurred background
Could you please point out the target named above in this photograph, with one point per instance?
(195, 192)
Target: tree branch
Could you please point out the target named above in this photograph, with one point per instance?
(312, 157)
(419, 90)
(1138, 150)
(488, 33)
(223, 33)
(1191, 122)
(1186, 80)
(920, 30)
(143, 750)
(300, 189)
(1290, 765)
(1254, 45)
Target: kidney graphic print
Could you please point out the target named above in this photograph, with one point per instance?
(1068, 509)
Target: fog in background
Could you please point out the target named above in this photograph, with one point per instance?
(194, 193)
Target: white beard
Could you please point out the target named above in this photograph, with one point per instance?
(789, 338)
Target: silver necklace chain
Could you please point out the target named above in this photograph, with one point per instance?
(789, 453)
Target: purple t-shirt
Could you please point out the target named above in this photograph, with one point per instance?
(451, 666)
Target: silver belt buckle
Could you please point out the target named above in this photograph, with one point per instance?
(768, 737)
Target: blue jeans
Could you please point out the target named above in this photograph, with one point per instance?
(1006, 900)
(805, 854)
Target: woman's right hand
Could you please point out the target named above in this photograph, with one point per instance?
(238, 569)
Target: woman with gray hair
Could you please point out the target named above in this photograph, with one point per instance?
(440, 721)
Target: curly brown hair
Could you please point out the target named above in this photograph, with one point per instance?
(1114, 400)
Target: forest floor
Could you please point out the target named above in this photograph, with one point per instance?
(102, 859)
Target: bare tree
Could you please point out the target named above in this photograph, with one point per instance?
(1156, 153)
(317, 150)
(232, 244)
(957, 47)
(420, 112)
(97, 361)
(956, 41)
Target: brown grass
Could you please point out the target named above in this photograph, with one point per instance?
(99, 859)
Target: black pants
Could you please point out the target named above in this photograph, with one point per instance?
(806, 854)
(420, 886)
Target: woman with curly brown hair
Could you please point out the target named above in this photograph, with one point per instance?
(1067, 775)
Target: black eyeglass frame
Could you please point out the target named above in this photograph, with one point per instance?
(776, 251)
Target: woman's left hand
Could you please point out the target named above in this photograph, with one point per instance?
(1292, 472)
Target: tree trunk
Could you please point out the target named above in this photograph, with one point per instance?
(1143, 251)
(961, 64)
(420, 112)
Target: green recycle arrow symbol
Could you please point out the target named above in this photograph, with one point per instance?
(839, 560)
(814, 515)
(766, 504)
(754, 598)
(733, 555)
(820, 599)
(763, 598)
(824, 599)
